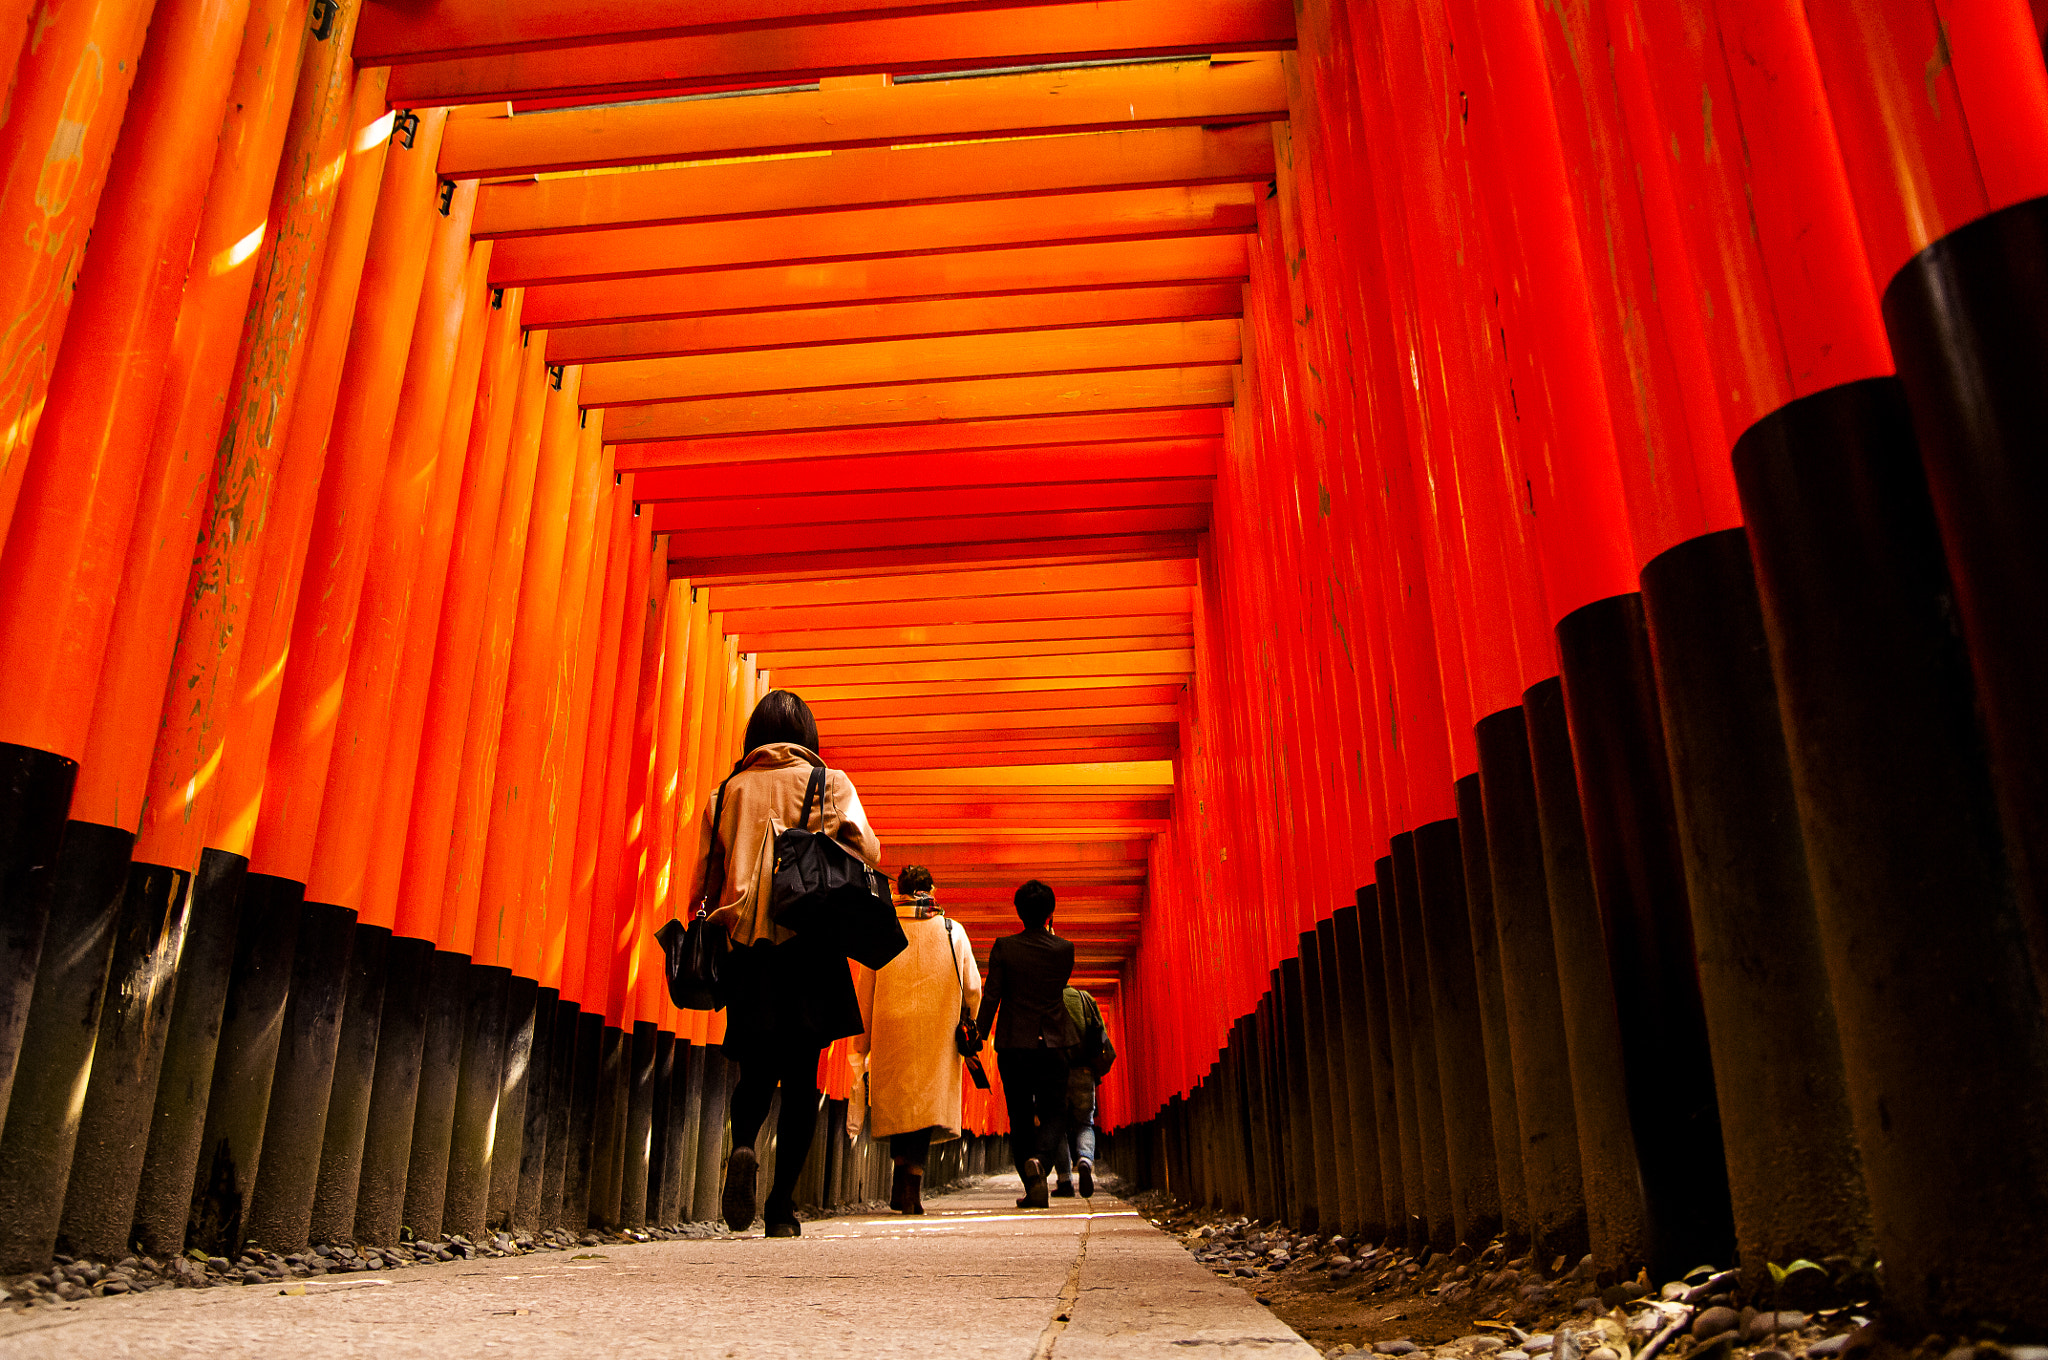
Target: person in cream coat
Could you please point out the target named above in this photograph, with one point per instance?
(912, 1007)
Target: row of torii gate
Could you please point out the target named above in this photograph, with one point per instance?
(1488, 550)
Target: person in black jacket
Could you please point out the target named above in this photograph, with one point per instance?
(1024, 1014)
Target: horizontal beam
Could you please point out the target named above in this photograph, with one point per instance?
(1155, 344)
(725, 482)
(897, 557)
(1001, 668)
(800, 53)
(1032, 632)
(880, 177)
(1165, 94)
(1020, 271)
(1023, 720)
(1051, 526)
(758, 331)
(916, 503)
(1070, 432)
(977, 608)
(810, 658)
(954, 585)
(876, 233)
(1050, 689)
(936, 403)
(914, 760)
(944, 700)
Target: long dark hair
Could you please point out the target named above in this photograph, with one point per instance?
(782, 717)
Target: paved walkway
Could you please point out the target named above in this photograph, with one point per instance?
(975, 1277)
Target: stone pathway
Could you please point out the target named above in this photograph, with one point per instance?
(975, 1277)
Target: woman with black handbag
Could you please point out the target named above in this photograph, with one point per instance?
(787, 994)
(915, 1005)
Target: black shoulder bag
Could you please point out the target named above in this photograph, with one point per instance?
(965, 1037)
(696, 956)
(824, 890)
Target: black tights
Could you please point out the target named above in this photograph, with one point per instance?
(912, 1148)
(795, 1070)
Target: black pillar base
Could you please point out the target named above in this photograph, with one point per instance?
(471, 1144)
(280, 1212)
(163, 1202)
(541, 1095)
(1796, 1185)
(342, 1140)
(450, 996)
(1616, 1220)
(251, 1032)
(582, 1119)
(508, 1145)
(1943, 1037)
(135, 1018)
(35, 795)
(57, 1044)
(562, 1056)
(1460, 1046)
(387, 1136)
(1491, 995)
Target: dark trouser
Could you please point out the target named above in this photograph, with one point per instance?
(1035, 1088)
(912, 1147)
(793, 1067)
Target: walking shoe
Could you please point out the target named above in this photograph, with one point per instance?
(1064, 1190)
(781, 1218)
(741, 1170)
(1084, 1171)
(1034, 1196)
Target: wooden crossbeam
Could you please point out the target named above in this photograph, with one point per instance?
(876, 233)
(923, 320)
(904, 506)
(920, 403)
(1162, 95)
(897, 557)
(1029, 632)
(1055, 526)
(791, 54)
(728, 483)
(919, 653)
(1078, 433)
(1019, 271)
(879, 177)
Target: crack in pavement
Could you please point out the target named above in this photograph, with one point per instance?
(1069, 1292)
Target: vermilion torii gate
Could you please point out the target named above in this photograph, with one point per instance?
(1489, 551)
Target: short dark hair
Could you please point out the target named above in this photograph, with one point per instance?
(782, 716)
(1034, 904)
(914, 879)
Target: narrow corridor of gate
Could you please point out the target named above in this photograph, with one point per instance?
(974, 1278)
(1489, 550)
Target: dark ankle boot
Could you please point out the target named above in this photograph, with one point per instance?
(913, 1193)
(1035, 1195)
(899, 1189)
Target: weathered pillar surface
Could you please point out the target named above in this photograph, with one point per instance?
(1639, 883)
(563, 1053)
(582, 1112)
(251, 1030)
(1460, 1047)
(1333, 1045)
(450, 996)
(1943, 1036)
(1796, 1185)
(62, 1029)
(472, 1141)
(1484, 942)
(1546, 1112)
(1354, 999)
(1615, 1218)
(1429, 1101)
(279, 1214)
(711, 1135)
(635, 1149)
(349, 1096)
(401, 1044)
(541, 1094)
(113, 1125)
(508, 1139)
(1401, 1047)
(1380, 1050)
(1322, 1117)
(35, 791)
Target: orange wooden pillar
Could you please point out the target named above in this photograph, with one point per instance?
(409, 539)
(622, 557)
(66, 102)
(243, 516)
(462, 513)
(481, 593)
(505, 933)
(577, 623)
(358, 451)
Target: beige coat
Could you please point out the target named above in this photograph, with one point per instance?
(763, 797)
(912, 1008)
